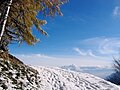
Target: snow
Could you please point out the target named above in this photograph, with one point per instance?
(59, 79)
(20, 77)
(23, 77)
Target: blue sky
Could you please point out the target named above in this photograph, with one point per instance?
(87, 34)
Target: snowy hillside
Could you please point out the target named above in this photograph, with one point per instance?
(18, 77)
(58, 79)
(22, 77)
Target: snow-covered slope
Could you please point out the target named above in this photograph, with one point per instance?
(59, 79)
(18, 77)
(22, 77)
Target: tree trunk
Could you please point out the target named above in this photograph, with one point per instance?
(9, 3)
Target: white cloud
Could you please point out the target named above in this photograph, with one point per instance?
(90, 53)
(84, 53)
(80, 51)
(100, 46)
(93, 41)
(35, 59)
(34, 56)
(116, 11)
(44, 60)
(110, 46)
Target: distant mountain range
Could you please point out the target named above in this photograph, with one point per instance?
(100, 71)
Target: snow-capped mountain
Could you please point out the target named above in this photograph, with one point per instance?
(59, 79)
(72, 67)
(100, 71)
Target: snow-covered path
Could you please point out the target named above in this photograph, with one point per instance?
(58, 79)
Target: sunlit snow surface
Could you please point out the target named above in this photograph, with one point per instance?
(59, 79)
